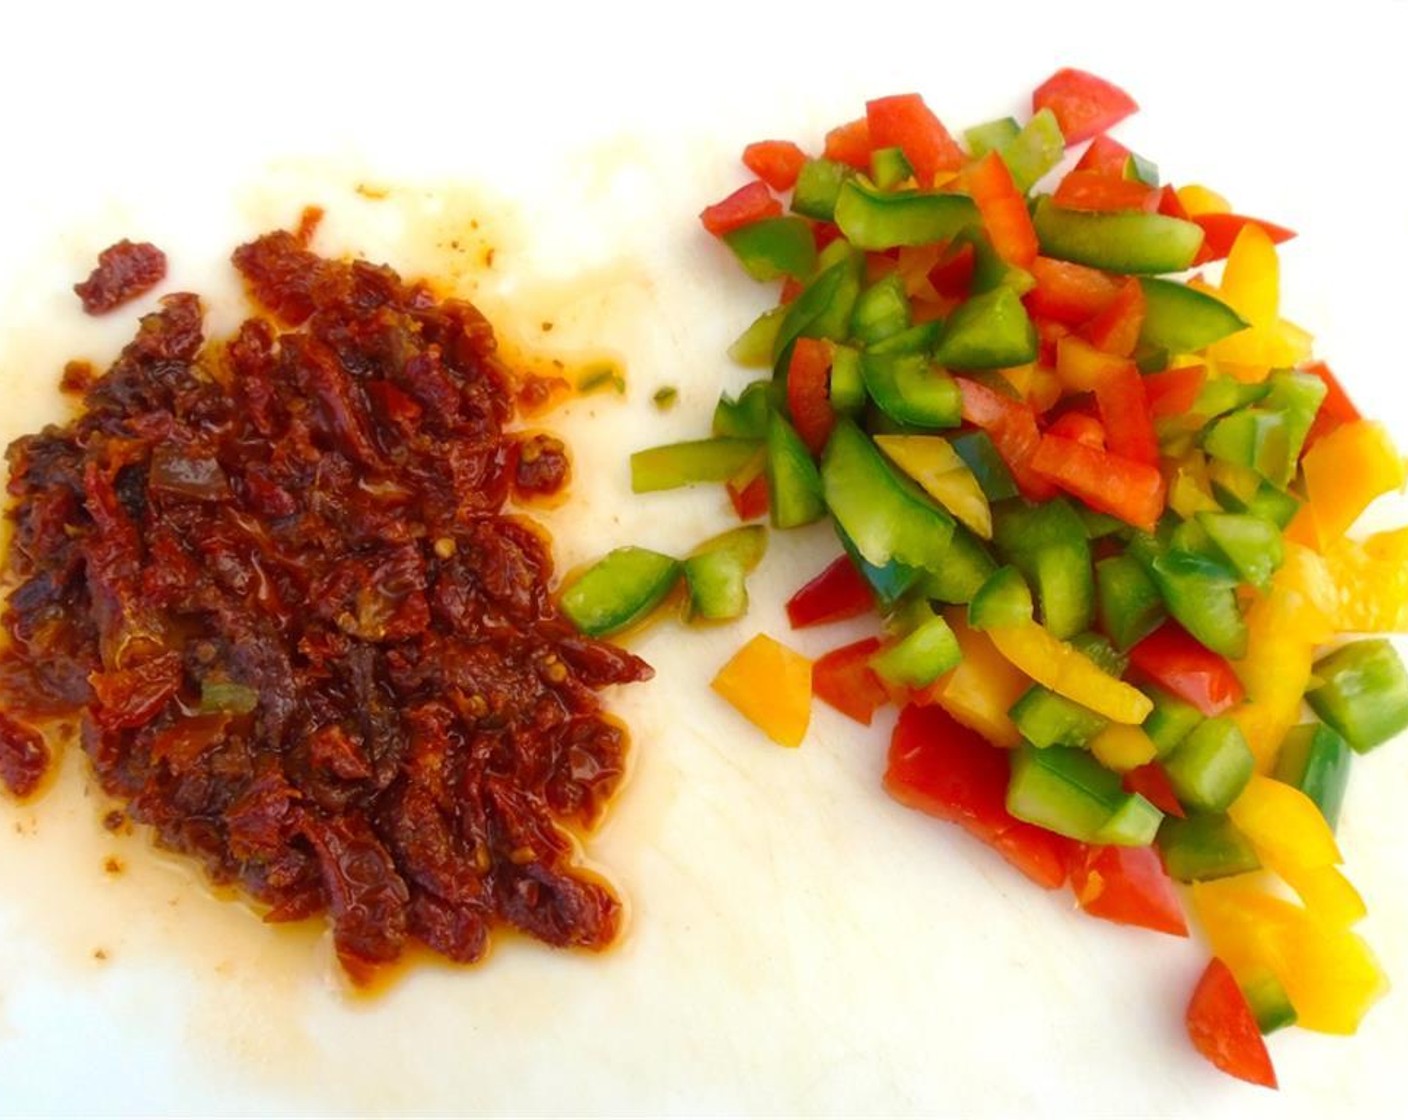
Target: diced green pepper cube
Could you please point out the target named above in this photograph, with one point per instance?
(818, 183)
(753, 349)
(874, 219)
(881, 310)
(823, 308)
(1129, 604)
(1064, 789)
(889, 168)
(1181, 319)
(1202, 594)
(1047, 543)
(1116, 240)
(1170, 720)
(912, 390)
(848, 393)
(890, 581)
(963, 568)
(747, 416)
(1134, 823)
(1047, 719)
(922, 656)
(1002, 600)
(991, 136)
(716, 574)
(1315, 760)
(1363, 692)
(1251, 543)
(1211, 767)
(1035, 150)
(988, 331)
(1204, 846)
(774, 247)
(794, 484)
(918, 339)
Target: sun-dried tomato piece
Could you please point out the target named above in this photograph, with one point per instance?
(125, 271)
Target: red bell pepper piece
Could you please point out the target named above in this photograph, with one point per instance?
(850, 144)
(1129, 886)
(952, 276)
(1115, 328)
(1171, 392)
(1174, 659)
(1012, 427)
(775, 162)
(1124, 410)
(1084, 104)
(940, 767)
(905, 122)
(809, 393)
(1223, 1027)
(1097, 190)
(844, 679)
(1151, 782)
(750, 499)
(1220, 231)
(1105, 155)
(1171, 206)
(1004, 210)
(1069, 293)
(1124, 488)
(1078, 426)
(748, 204)
(837, 593)
(1335, 409)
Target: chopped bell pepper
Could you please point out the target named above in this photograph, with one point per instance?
(1205, 846)
(1046, 719)
(956, 574)
(1202, 595)
(844, 679)
(775, 162)
(1211, 767)
(1121, 241)
(873, 219)
(988, 331)
(1084, 104)
(1127, 885)
(839, 592)
(1036, 149)
(818, 186)
(716, 573)
(794, 484)
(774, 247)
(1134, 492)
(1362, 692)
(1181, 319)
(1345, 471)
(1065, 790)
(1004, 599)
(933, 463)
(1314, 759)
(1224, 1029)
(619, 590)
(749, 204)
(1128, 603)
(1171, 657)
(1048, 545)
(905, 122)
(1064, 669)
(1122, 747)
(771, 686)
(1004, 210)
(912, 390)
(920, 657)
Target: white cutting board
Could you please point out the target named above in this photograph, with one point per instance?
(797, 943)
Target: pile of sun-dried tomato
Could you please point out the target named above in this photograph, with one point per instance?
(274, 581)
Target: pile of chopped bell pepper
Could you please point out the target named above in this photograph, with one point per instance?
(1096, 491)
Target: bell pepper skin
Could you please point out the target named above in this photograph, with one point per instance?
(844, 680)
(1065, 790)
(1224, 1030)
(1004, 210)
(1123, 241)
(905, 122)
(1363, 693)
(775, 162)
(911, 389)
(771, 686)
(942, 768)
(619, 590)
(1211, 767)
(872, 219)
(988, 331)
(817, 188)
(683, 464)
(1316, 760)
(1177, 661)
(717, 571)
(794, 485)
(1062, 668)
(1046, 719)
(774, 247)
(749, 204)
(837, 593)
(1181, 319)
(1083, 103)
(1035, 150)
(920, 657)
(1129, 886)
(1205, 846)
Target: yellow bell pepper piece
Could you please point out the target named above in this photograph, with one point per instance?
(1287, 827)
(1122, 747)
(1329, 973)
(1345, 471)
(933, 463)
(1189, 487)
(1370, 579)
(982, 689)
(1251, 279)
(771, 686)
(1327, 894)
(1198, 199)
(1064, 669)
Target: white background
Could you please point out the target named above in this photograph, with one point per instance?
(798, 944)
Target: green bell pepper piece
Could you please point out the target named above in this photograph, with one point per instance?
(1097, 647)
(823, 308)
(682, 464)
(1204, 846)
(988, 331)
(991, 136)
(1048, 545)
(1363, 692)
(964, 567)
(1128, 602)
(889, 168)
(1067, 791)
(1181, 319)
(818, 184)
(1251, 437)
(1315, 759)
(881, 310)
(619, 589)
(890, 581)
(1035, 150)
(1252, 544)
(1202, 595)
(978, 451)
(774, 247)
(990, 270)
(1170, 721)
(746, 417)
(716, 574)
(1116, 240)
(1221, 395)
(912, 390)
(848, 393)
(1269, 1001)
(1211, 767)
(1047, 719)
(1003, 599)
(923, 655)
(874, 219)
(919, 339)
(794, 485)
(753, 349)
(886, 516)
